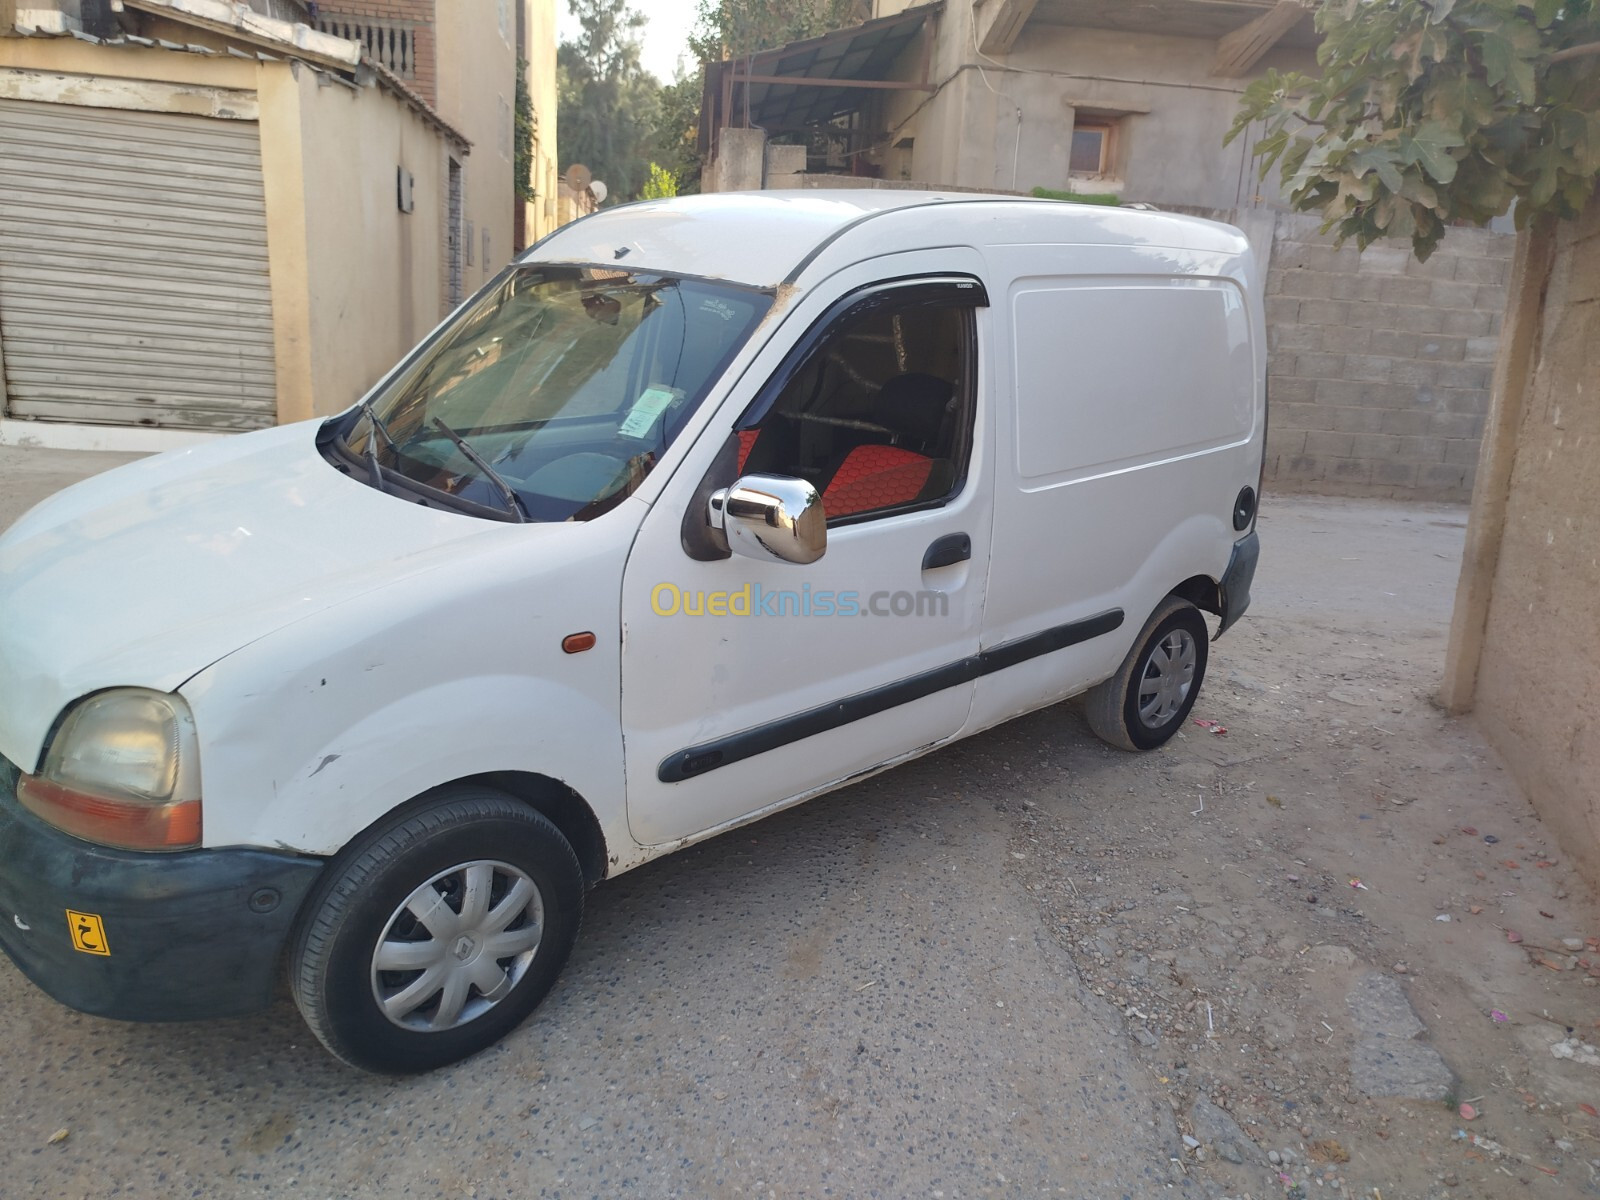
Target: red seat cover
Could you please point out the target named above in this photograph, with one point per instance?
(747, 443)
(876, 477)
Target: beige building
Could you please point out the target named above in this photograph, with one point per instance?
(216, 217)
(1088, 96)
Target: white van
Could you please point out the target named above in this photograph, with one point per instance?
(700, 509)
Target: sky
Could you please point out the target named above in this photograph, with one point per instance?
(665, 39)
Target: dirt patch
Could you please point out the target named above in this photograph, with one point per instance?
(1337, 922)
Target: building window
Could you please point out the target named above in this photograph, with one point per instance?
(1093, 142)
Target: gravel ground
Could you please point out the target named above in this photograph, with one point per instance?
(1027, 965)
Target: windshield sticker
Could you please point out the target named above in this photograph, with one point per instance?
(719, 308)
(652, 402)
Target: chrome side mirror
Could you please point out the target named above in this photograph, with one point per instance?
(771, 517)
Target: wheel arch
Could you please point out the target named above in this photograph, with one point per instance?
(1201, 591)
(562, 806)
(557, 802)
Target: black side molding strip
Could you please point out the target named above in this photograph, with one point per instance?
(708, 756)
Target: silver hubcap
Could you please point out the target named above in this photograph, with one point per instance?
(458, 946)
(1168, 676)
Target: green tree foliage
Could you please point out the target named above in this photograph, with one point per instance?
(1432, 112)
(522, 137)
(729, 28)
(617, 119)
(661, 185)
(677, 133)
(607, 114)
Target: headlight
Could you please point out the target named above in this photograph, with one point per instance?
(123, 770)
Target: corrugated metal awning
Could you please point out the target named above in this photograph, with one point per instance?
(812, 81)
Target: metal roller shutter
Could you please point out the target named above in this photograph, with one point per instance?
(133, 269)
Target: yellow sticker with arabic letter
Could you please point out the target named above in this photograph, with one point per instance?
(88, 932)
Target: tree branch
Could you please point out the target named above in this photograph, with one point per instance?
(1572, 52)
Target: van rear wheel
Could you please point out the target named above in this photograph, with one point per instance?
(1146, 701)
(437, 934)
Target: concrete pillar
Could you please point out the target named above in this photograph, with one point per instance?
(1513, 378)
(741, 159)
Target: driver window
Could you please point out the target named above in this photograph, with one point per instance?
(879, 417)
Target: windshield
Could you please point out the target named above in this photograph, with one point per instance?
(553, 395)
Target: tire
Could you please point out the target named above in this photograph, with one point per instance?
(445, 994)
(1146, 701)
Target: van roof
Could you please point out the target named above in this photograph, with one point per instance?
(765, 238)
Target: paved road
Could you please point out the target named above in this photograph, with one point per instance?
(856, 998)
(852, 999)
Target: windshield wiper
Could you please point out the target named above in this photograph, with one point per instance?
(513, 504)
(372, 444)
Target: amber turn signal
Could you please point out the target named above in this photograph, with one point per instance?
(577, 643)
(112, 821)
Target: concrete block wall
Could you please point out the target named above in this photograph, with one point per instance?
(1379, 365)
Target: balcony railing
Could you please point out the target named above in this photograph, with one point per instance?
(392, 43)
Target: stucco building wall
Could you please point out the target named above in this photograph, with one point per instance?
(372, 271)
(464, 63)
(1525, 642)
(474, 93)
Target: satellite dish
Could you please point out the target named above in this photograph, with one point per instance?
(600, 191)
(578, 177)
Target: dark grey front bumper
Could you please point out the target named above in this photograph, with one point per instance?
(193, 934)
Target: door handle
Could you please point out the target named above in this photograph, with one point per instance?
(947, 551)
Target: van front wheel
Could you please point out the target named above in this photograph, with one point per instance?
(438, 933)
(1146, 701)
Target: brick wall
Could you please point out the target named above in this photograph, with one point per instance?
(1380, 365)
